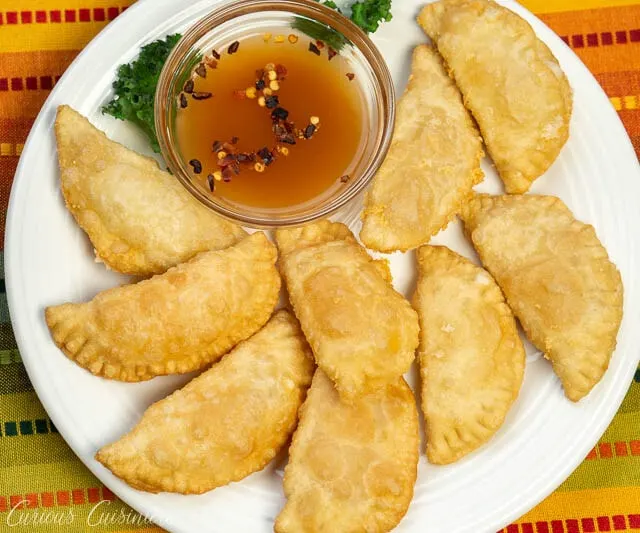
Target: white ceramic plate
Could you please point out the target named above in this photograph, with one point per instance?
(50, 261)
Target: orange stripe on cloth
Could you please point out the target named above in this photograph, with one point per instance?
(607, 39)
(57, 28)
(26, 79)
(554, 6)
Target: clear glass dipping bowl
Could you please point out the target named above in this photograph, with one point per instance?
(238, 19)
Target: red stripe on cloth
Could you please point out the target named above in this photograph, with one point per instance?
(527, 527)
(29, 83)
(16, 501)
(604, 523)
(46, 499)
(93, 495)
(100, 14)
(32, 500)
(634, 521)
(605, 450)
(62, 497)
(621, 449)
(542, 527)
(573, 526)
(588, 525)
(557, 526)
(77, 496)
(619, 522)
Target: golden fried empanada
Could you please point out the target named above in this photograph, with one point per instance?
(139, 219)
(433, 162)
(557, 278)
(175, 322)
(362, 332)
(511, 83)
(225, 424)
(471, 357)
(351, 467)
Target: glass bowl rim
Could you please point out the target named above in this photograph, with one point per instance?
(229, 10)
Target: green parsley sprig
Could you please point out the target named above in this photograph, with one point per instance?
(135, 87)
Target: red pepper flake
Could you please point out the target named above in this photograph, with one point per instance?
(271, 102)
(314, 49)
(201, 70)
(229, 148)
(217, 146)
(215, 54)
(279, 113)
(240, 94)
(211, 63)
(234, 140)
(345, 178)
(309, 131)
(227, 174)
(197, 95)
(351, 76)
(188, 87)
(281, 71)
(197, 166)
(265, 155)
(320, 44)
(233, 47)
(331, 53)
(183, 101)
(226, 161)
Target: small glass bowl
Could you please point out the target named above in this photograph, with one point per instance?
(236, 20)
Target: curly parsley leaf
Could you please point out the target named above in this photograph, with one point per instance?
(135, 87)
(368, 14)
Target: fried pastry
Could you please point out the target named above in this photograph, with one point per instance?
(557, 278)
(362, 332)
(510, 81)
(175, 322)
(225, 424)
(431, 166)
(471, 357)
(351, 467)
(139, 219)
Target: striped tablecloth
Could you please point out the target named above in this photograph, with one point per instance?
(41, 478)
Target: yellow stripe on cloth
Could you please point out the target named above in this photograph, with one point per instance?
(586, 504)
(62, 25)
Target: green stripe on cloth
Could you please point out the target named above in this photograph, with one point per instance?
(7, 340)
(13, 379)
(10, 357)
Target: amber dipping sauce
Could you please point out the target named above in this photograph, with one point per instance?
(314, 86)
